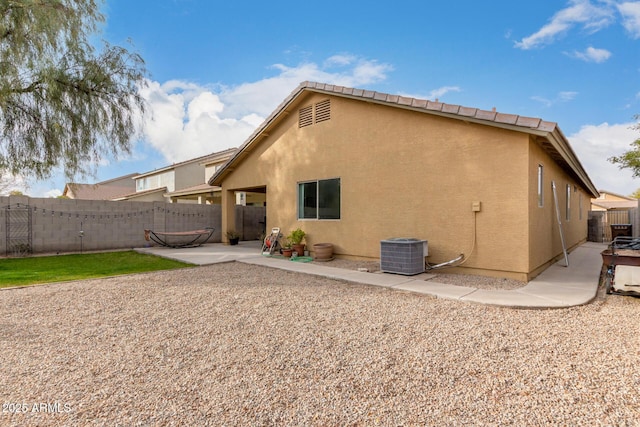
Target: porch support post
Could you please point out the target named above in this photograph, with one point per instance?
(228, 213)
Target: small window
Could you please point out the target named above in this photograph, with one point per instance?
(568, 207)
(540, 186)
(580, 206)
(319, 199)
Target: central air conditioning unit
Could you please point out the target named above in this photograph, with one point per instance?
(403, 255)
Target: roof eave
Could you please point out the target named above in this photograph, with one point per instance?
(547, 130)
(247, 146)
(562, 146)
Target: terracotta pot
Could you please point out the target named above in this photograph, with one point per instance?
(287, 252)
(323, 251)
(299, 249)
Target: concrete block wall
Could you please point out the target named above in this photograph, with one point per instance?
(56, 224)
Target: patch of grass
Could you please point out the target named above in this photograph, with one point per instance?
(60, 268)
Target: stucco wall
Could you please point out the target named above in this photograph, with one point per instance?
(188, 175)
(157, 196)
(407, 174)
(545, 241)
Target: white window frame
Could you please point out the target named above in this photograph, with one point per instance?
(568, 202)
(580, 206)
(540, 186)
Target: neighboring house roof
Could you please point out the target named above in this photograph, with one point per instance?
(620, 196)
(218, 156)
(104, 190)
(112, 190)
(615, 204)
(548, 134)
(203, 160)
(131, 196)
(94, 191)
(196, 189)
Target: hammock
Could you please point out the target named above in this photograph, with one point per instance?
(179, 239)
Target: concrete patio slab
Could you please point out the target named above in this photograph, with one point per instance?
(558, 286)
(439, 290)
(511, 298)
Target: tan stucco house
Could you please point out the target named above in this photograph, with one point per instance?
(105, 190)
(354, 167)
(612, 209)
(609, 201)
(183, 182)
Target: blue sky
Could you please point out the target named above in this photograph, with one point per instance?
(217, 69)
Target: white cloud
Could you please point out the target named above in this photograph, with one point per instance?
(437, 93)
(546, 102)
(53, 193)
(592, 54)
(594, 144)
(187, 120)
(9, 183)
(580, 12)
(339, 60)
(567, 96)
(630, 12)
(564, 96)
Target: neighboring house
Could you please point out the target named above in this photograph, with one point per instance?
(184, 182)
(353, 167)
(156, 184)
(608, 201)
(200, 191)
(105, 190)
(611, 209)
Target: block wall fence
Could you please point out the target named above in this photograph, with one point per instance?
(48, 225)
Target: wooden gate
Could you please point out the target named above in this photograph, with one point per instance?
(617, 217)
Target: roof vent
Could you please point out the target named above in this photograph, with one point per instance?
(305, 116)
(323, 111)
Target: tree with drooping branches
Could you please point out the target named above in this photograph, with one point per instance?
(63, 101)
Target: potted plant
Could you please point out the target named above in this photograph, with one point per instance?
(233, 237)
(287, 250)
(296, 238)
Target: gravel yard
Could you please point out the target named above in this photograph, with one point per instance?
(439, 276)
(235, 344)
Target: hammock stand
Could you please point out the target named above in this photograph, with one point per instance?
(179, 239)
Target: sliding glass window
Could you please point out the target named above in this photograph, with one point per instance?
(319, 199)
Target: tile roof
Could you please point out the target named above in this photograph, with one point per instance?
(136, 194)
(414, 103)
(208, 158)
(196, 189)
(611, 193)
(615, 204)
(548, 134)
(95, 191)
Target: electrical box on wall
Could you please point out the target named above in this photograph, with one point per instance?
(475, 206)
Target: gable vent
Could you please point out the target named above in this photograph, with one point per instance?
(305, 116)
(323, 111)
